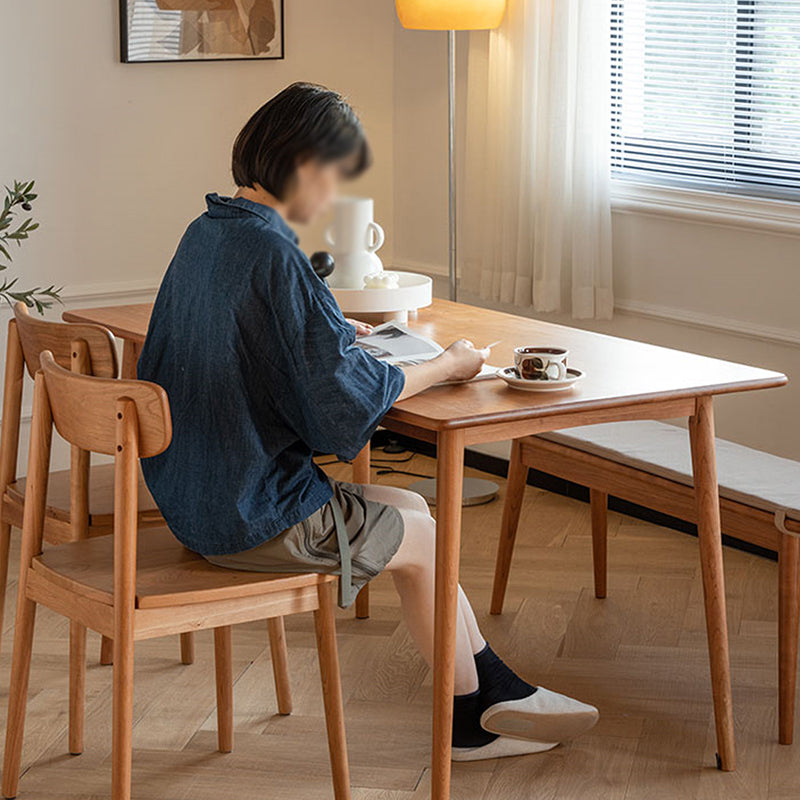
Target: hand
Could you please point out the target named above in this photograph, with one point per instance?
(465, 360)
(362, 329)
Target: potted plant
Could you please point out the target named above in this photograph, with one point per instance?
(20, 198)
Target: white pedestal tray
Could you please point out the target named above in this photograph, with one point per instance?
(381, 305)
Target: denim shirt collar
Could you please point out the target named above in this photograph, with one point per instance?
(232, 207)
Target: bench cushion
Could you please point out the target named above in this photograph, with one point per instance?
(752, 477)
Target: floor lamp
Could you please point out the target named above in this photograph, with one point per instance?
(452, 16)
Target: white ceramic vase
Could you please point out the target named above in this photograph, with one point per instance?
(354, 238)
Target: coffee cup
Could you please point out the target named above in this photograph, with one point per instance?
(541, 363)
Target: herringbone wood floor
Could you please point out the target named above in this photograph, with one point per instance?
(640, 656)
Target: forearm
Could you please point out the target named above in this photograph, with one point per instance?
(420, 377)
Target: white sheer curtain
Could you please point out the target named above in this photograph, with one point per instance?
(536, 221)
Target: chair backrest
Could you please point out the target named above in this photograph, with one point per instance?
(87, 349)
(86, 410)
(60, 338)
(125, 418)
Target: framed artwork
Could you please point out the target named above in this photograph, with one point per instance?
(200, 30)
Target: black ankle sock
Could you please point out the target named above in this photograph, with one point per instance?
(497, 681)
(467, 731)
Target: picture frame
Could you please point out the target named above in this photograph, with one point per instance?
(159, 31)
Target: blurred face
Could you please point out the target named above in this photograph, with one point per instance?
(314, 188)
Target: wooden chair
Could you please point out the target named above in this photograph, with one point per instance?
(609, 459)
(140, 584)
(79, 500)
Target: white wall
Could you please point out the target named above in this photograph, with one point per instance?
(123, 154)
(724, 290)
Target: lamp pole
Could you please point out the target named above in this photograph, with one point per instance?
(475, 491)
(451, 151)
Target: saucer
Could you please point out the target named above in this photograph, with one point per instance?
(511, 377)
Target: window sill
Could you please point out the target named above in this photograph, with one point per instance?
(706, 208)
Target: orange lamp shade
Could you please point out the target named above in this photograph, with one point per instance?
(450, 15)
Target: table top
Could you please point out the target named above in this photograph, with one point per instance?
(618, 371)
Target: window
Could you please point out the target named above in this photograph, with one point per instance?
(706, 94)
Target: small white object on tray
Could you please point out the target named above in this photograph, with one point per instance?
(382, 280)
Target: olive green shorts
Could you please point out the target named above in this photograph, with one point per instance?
(375, 532)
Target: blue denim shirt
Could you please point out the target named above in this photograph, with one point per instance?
(260, 369)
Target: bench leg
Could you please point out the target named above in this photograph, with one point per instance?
(788, 617)
(599, 504)
(515, 491)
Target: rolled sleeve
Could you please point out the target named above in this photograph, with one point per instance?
(331, 393)
(342, 392)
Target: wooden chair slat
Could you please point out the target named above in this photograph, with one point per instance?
(37, 336)
(83, 404)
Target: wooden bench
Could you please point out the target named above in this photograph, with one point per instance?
(649, 463)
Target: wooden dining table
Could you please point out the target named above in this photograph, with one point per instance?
(624, 380)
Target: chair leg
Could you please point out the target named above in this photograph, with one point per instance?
(325, 624)
(106, 651)
(223, 664)
(187, 648)
(18, 694)
(788, 617)
(77, 686)
(599, 504)
(515, 491)
(280, 664)
(122, 735)
(5, 544)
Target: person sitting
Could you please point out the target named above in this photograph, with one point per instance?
(261, 371)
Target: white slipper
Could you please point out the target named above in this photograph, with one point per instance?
(544, 716)
(501, 747)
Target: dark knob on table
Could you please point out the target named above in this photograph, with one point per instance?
(323, 263)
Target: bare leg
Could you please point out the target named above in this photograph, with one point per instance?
(412, 569)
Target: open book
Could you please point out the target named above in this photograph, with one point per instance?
(396, 344)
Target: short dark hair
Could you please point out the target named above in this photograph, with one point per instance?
(303, 121)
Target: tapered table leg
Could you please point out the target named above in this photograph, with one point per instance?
(361, 474)
(130, 355)
(701, 430)
(449, 476)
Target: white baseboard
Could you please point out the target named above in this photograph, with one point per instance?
(697, 319)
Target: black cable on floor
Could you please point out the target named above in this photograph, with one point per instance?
(391, 471)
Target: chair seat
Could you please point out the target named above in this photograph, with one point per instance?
(101, 499)
(168, 574)
(747, 476)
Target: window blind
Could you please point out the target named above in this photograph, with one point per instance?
(153, 33)
(706, 93)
